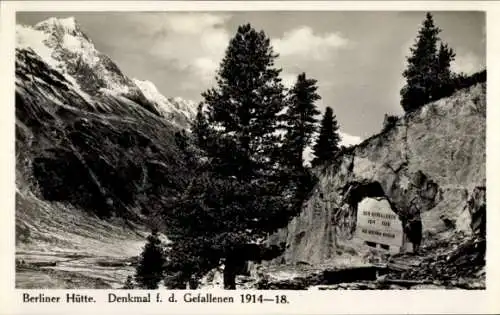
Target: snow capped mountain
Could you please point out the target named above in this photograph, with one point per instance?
(176, 109)
(65, 26)
(86, 135)
(64, 47)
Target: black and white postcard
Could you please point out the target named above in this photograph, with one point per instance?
(277, 157)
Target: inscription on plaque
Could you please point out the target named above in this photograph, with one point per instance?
(378, 226)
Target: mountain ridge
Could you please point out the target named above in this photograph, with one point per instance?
(61, 43)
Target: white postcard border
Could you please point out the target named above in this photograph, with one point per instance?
(301, 302)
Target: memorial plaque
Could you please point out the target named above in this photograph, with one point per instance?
(378, 224)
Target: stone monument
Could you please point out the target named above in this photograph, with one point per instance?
(378, 226)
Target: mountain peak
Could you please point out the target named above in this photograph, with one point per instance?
(67, 25)
(62, 44)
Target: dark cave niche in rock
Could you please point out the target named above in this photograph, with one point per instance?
(354, 192)
(357, 191)
(382, 227)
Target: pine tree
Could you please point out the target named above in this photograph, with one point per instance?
(422, 71)
(245, 104)
(301, 119)
(199, 127)
(445, 56)
(149, 271)
(328, 141)
(240, 193)
(444, 86)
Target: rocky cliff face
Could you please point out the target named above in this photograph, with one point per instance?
(430, 167)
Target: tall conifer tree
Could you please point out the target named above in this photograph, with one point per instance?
(199, 127)
(301, 119)
(328, 141)
(240, 193)
(243, 108)
(422, 71)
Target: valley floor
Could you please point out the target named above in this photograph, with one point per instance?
(57, 270)
(435, 268)
(64, 248)
(61, 248)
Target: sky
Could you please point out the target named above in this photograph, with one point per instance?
(357, 57)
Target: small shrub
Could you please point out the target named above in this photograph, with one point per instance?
(129, 284)
(176, 281)
(149, 271)
(389, 122)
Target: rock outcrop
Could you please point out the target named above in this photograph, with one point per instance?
(430, 166)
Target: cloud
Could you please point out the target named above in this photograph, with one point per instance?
(193, 23)
(349, 140)
(301, 49)
(205, 68)
(303, 42)
(192, 43)
(467, 63)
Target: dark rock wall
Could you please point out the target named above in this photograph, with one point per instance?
(107, 155)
